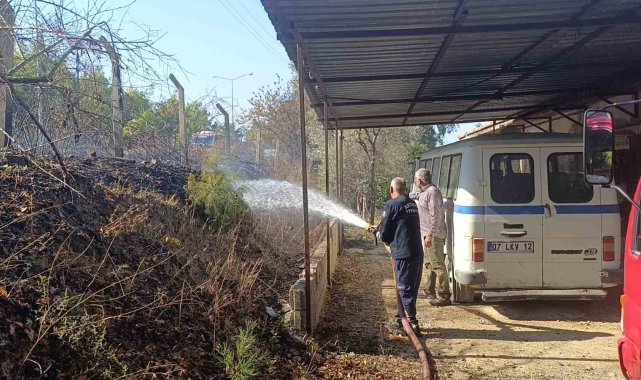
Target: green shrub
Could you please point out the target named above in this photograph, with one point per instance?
(215, 193)
(244, 360)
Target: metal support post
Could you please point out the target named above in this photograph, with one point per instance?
(342, 177)
(328, 251)
(338, 183)
(303, 148)
(182, 134)
(227, 129)
(117, 105)
(342, 166)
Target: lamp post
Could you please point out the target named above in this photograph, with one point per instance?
(233, 121)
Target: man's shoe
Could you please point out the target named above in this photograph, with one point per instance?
(440, 301)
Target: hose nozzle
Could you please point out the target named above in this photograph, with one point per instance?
(370, 228)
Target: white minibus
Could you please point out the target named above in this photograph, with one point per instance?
(522, 221)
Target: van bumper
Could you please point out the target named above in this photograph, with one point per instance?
(475, 277)
(612, 277)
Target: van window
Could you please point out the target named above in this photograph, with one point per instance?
(512, 178)
(455, 172)
(566, 180)
(436, 170)
(422, 163)
(444, 177)
(428, 165)
(449, 176)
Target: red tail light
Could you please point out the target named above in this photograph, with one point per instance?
(608, 248)
(478, 250)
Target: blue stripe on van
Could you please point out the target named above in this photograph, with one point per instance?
(535, 210)
(597, 209)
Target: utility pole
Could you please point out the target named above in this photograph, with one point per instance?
(227, 129)
(184, 157)
(117, 105)
(258, 142)
(233, 121)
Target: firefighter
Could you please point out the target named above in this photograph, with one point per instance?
(400, 229)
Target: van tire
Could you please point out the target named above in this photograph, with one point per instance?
(463, 293)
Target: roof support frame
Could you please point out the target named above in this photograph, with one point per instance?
(538, 42)
(620, 108)
(569, 118)
(458, 19)
(457, 112)
(505, 69)
(535, 126)
(472, 29)
(429, 99)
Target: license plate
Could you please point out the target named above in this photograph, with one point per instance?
(510, 246)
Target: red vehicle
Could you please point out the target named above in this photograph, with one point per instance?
(598, 145)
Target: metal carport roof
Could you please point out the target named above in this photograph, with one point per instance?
(390, 63)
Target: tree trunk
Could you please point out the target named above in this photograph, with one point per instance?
(372, 189)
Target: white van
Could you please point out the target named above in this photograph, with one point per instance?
(522, 222)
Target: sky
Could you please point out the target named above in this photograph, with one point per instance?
(225, 38)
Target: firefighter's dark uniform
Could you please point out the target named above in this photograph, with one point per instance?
(400, 228)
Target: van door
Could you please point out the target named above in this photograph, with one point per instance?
(571, 222)
(513, 218)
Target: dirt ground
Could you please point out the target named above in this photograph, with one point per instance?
(515, 340)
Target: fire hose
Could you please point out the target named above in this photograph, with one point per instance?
(422, 354)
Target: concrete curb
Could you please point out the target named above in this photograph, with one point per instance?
(318, 281)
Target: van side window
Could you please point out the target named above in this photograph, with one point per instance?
(422, 163)
(512, 178)
(444, 177)
(428, 165)
(566, 179)
(436, 170)
(449, 176)
(455, 172)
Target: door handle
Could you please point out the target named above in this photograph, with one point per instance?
(513, 233)
(550, 211)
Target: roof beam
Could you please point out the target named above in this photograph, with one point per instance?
(458, 19)
(631, 114)
(457, 112)
(441, 121)
(510, 64)
(570, 49)
(446, 98)
(622, 79)
(455, 74)
(567, 51)
(535, 126)
(472, 29)
(569, 118)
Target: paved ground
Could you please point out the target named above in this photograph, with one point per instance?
(529, 340)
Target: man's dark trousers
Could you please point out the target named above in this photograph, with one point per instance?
(408, 281)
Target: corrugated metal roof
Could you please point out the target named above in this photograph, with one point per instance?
(393, 63)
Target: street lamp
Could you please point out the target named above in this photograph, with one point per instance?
(232, 91)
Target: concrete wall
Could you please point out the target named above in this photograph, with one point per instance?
(318, 280)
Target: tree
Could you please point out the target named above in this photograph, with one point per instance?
(367, 139)
(58, 82)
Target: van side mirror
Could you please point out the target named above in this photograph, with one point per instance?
(598, 147)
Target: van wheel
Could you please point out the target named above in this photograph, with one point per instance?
(463, 293)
